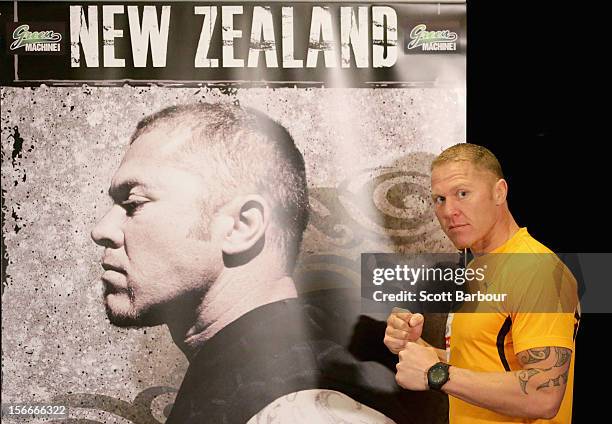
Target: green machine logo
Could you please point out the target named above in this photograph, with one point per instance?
(36, 41)
(444, 40)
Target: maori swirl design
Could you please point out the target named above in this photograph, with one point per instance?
(389, 205)
(140, 411)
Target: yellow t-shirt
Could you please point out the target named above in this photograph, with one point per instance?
(489, 341)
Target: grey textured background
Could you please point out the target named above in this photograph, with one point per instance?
(60, 148)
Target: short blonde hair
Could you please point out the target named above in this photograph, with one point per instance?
(478, 156)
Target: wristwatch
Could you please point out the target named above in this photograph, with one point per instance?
(437, 375)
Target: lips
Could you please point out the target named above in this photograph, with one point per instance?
(111, 267)
(456, 226)
(114, 277)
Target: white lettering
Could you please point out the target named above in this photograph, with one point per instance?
(435, 297)
(321, 38)
(384, 53)
(262, 26)
(229, 34)
(210, 17)
(109, 34)
(481, 297)
(86, 35)
(353, 34)
(287, 30)
(149, 33)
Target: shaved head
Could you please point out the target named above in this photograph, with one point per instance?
(240, 151)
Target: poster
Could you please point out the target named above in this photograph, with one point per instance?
(369, 93)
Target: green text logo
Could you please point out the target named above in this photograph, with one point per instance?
(432, 40)
(23, 36)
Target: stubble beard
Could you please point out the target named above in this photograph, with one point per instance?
(120, 309)
(123, 311)
(129, 314)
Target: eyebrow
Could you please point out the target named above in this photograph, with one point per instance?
(460, 186)
(118, 191)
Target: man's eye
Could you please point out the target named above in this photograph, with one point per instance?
(439, 200)
(462, 194)
(132, 206)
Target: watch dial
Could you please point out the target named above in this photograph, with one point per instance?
(437, 375)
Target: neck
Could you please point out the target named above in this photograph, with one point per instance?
(229, 297)
(500, 233)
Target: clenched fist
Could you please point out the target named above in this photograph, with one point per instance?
(402, 327)
(414, 362)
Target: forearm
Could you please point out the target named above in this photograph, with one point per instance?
(523, 393)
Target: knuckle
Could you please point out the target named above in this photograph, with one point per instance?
(398, 380)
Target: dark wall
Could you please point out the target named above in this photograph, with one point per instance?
(535, 99)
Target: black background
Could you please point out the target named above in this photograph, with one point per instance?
(532, 98)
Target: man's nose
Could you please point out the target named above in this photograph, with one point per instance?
(108, 232)
(450, 209)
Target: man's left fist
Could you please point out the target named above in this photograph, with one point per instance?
(414, 362)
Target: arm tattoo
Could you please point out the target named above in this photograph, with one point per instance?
(555, 382)
(532, 356)
(563, 355)
(525, 375)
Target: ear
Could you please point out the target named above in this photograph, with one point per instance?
(250, 217)
(500, 191)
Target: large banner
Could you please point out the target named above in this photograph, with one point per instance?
(187, 192)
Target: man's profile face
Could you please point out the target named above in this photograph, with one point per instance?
(155, 256)
(464, 202)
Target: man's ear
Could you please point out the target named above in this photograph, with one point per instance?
(250, 216)
(500, 191)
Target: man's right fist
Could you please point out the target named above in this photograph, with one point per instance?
(402, 327)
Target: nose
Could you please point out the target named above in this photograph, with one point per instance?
(450, 209)
(108, 232)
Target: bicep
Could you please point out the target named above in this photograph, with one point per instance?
(544, 369)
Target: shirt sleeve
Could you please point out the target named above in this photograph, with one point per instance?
(545, 301)
(532, 330)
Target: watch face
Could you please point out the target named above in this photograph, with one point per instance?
(437, 375)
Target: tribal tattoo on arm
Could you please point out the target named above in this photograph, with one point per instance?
(534, 355)
(557, 357)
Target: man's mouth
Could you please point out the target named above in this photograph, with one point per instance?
(111, 267)
(114, 278)
(456, 226)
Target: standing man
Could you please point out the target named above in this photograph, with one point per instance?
(506, 365)
(209, 206)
